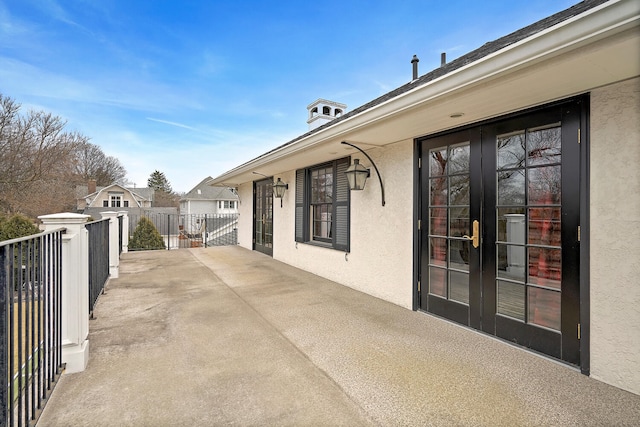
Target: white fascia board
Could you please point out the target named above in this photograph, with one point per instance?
(595, 24)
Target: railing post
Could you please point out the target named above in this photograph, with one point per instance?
(4, 332)
(168, 231)
(125, 231)
(205, 236)
(114, 255)
(75, 287)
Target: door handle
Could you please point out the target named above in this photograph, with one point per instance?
(475, 239)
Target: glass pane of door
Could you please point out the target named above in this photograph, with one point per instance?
(449, 213)
(263, 217)
(519, 178)
(528, 207)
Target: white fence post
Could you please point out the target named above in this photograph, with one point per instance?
(75, 287)
(114, 255)
(125, 231)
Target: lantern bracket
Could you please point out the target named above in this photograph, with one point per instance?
(374, 166)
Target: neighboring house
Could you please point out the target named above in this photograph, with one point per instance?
(137, 202)
(207, 199)
(511, 191)
(114, 196)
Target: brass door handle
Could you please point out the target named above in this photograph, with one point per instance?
(475, 239)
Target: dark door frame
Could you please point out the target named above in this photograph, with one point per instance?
(582, 138)
(266, 207)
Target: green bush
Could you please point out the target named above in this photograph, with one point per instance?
(16, 226)
(146, 236)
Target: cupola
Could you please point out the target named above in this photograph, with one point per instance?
(323, 111)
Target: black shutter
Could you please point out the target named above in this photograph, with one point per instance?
(341, 213)
(300, 205)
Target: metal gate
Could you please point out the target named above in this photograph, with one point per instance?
(193, 230)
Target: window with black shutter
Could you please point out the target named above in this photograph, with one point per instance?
(322, 205)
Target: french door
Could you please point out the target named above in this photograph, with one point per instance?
(263, 216)
(499, 243)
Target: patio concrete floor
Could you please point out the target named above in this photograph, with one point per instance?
(227, 336)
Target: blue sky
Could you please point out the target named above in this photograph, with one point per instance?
(194, 88)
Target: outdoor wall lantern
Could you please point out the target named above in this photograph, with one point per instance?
(279, 188)
(357, 174)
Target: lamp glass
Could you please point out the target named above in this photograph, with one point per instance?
(279, 188)
(357, 175)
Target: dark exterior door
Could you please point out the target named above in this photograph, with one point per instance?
(263, 216)
(499, 246)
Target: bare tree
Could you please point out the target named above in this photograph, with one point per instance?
(91, 163)
(38, 161)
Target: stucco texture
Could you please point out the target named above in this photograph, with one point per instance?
(245, 210)
(381, 256)
(615, 234)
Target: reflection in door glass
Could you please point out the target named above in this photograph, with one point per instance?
(438, 191)
(458, 158)
(543, 145)
(459, 286)
(438, 221)
(438, 251)
(438, 281)
(448, 222)
(511, 150)
(528, 211)
(438, 162)
(544, 307)
(511, 299)
(511, 187)
(544, 185)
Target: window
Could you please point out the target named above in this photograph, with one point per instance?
(226, 204)
(116, 201)
(322, 204)
(232, 204)
(105, 203)
(126, 203)
(219, 204)
(326, 111)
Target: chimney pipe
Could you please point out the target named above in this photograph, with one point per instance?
(91, 186)
(415, 61)
(443, 58)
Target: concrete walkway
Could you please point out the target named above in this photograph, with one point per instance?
(226, 336)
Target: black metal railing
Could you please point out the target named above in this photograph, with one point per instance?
(203, 230)
(98, 259)
(120, 227)
(30, 324)
(193, 230)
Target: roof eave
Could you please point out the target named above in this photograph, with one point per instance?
(585, 28)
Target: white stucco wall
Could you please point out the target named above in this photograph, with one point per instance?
(381, 257)
(245, 210)
(615, 235)
(199, 207)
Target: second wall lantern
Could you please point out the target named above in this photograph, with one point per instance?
(279, 189)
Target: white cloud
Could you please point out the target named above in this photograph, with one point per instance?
(167, 122)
